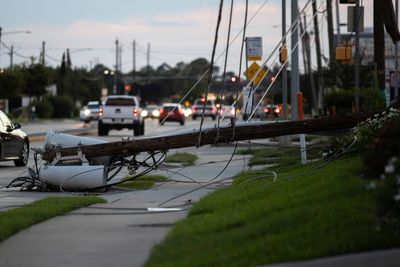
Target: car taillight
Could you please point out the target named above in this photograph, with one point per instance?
(266, 110)
(100, 112)
(162, 111)
(212, 109)
(135, 112)
(277, 110)
(193, 109)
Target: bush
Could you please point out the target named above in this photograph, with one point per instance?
(343, 100)
(63, 107)
(44, 107)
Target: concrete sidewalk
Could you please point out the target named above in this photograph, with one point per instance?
(122, 231)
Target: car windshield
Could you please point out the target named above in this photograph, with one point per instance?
(120, 102)
(93, 106)
(201, 102)
(170, 108)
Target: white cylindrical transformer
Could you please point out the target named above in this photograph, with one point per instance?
(74, 177)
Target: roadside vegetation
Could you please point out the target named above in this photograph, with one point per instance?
(184, 158)
(143, 182)
(348, 201)
(15, 220)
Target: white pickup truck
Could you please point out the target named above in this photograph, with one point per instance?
(120, 112)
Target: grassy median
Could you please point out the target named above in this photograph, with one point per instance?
(15, 220)
(310, 211)
(143, 182)
(184, 158)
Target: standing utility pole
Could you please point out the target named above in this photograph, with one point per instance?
(284, 70)
(330, 31)
(133, 58)
(116, 66)
(295, 79)
(43, 53)
(338, 35)
(357, 18)
(11, 56)
(320, 79)
(148, 60)
(396, 55)
(0, 46)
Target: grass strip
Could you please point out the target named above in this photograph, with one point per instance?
(143, 182)
(184, 158)
(14, 220)
(307, 213)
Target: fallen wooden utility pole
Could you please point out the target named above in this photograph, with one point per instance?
(226, 135)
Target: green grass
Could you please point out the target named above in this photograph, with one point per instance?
(184, 158)
(280, 158)
(143, 182)
(307, 213)
(15, 220)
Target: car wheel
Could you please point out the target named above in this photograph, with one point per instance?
(23, 158)
(136, 128)
(214, 117)
(142, 128)
(102, 129)
(194, 117)
(182, 122)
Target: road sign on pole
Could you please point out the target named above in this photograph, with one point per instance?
(254, 48)
(252, 70)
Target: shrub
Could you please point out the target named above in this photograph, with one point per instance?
(63, 107)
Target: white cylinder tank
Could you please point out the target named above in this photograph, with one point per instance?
(67, 140)
(74, 178)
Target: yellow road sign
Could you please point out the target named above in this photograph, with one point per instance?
(252, 70)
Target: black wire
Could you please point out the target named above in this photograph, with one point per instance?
(211, 69)
(224, 73)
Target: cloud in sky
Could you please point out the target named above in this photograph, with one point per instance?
(182, 35)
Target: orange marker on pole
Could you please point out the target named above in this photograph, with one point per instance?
(300, 113)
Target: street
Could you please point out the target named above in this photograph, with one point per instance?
(127, 225)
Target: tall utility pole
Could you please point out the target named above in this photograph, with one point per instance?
(116, 66)
(307, 62)
(329, 18)
(357, 16)
(338, 35)
(11, 56)
(294, 75)
(43, 53)
(284, 70)
(133, 58)
(0, 46)
(396, 55)
(320, 78)
(148, 60)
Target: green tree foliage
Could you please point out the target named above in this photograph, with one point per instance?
(11, 83)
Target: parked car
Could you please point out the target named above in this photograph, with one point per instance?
(272, 110)
(210, 111)
(172, 112)
(90, 111)
(119, 112)
(14, 142)
(151, 111)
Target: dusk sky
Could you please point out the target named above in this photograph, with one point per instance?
(178, 30)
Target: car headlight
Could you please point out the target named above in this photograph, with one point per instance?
(144, 113)
(156, 113)
(86, 112)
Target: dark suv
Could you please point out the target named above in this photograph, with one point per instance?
(210, 111)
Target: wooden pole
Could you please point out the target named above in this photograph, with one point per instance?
(243, 132)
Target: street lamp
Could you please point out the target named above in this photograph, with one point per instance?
(10, 32)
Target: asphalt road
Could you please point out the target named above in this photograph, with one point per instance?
(122, 231)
